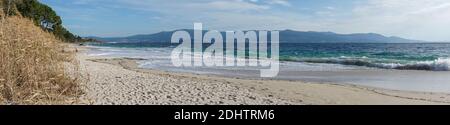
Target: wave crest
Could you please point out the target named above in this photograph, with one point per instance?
(440, 64)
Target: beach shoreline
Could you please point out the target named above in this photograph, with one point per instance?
(121, 81)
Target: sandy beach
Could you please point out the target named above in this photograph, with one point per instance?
(119, 81)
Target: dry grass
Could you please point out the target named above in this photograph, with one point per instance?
(33, 65)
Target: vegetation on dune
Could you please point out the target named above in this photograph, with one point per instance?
(43, 16)
(35, 68)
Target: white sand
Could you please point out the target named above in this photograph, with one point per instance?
(120, 82)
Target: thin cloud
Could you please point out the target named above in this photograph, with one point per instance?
(279, 2)
(418, 19)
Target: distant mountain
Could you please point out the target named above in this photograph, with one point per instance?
(291, 36)
(286, 36)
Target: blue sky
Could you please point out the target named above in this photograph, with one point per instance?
(418, 19)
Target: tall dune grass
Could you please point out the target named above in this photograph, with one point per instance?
(34, 65)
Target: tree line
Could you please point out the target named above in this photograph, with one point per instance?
(43, 16)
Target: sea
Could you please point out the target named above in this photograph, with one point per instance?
(399, 66)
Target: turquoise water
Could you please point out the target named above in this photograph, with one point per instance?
(401, 56)
(406, 56)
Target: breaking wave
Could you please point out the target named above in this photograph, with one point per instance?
(440, 64)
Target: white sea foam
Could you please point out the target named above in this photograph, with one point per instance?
(440, 64)
(158, 56)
